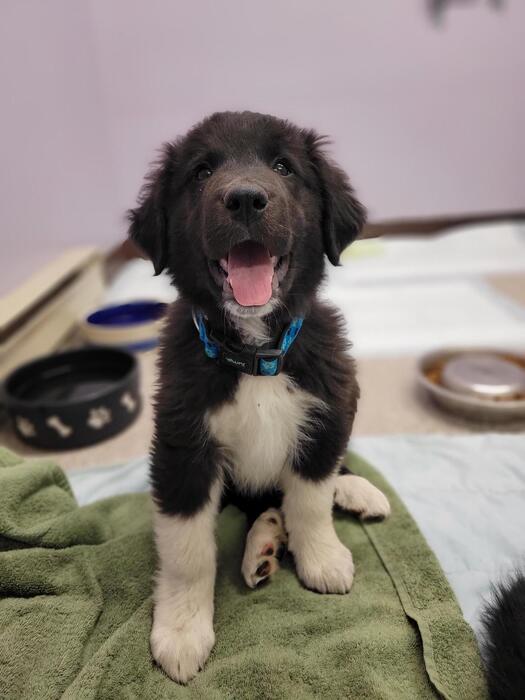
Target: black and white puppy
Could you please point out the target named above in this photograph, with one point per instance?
(241, 212)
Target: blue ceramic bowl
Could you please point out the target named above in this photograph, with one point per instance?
(133, 326)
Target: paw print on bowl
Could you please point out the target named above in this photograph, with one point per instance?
(99, 417)
(25, 427)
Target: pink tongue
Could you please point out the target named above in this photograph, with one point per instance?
(250, 274)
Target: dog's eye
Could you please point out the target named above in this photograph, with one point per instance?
(203, 172)
(282, 168)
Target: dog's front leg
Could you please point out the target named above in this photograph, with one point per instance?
(182, 635)
(322, 562)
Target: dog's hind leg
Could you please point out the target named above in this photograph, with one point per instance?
(265, 545)
(358, 496)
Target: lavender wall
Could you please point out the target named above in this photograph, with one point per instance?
(427, 119)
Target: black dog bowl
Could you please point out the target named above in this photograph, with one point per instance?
(73, 399)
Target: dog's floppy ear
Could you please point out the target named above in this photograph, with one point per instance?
(148, 222)
(343, 216)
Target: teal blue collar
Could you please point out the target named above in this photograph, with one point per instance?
(250, 359)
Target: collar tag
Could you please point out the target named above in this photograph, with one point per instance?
(241, 361)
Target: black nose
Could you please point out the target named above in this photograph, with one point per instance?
(246, 203)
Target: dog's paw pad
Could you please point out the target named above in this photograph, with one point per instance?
(265, 569)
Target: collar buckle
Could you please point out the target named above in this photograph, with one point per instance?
(269, 362)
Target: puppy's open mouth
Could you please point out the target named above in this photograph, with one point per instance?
(250, 272)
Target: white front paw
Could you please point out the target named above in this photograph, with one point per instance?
(357, 495)
(182, 650)
(326, 567)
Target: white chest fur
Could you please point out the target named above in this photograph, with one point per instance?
(262, 427)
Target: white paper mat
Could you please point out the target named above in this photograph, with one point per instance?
(409, 318)
(459, 252)
(136, 280)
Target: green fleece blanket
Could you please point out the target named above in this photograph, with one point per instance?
(75, 608)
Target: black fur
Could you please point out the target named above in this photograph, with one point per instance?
(504, 645)
(182, 223)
